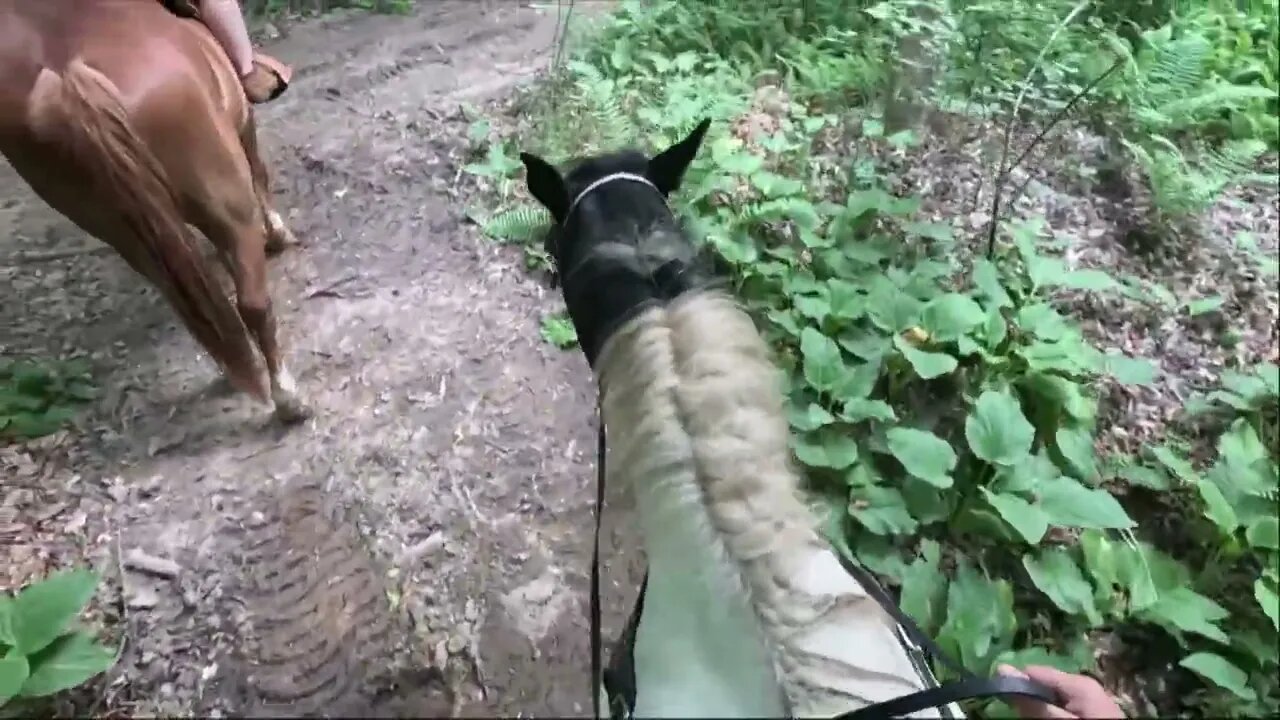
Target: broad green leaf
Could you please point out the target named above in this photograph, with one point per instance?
(13, 673)
(1028, 520)
(67, 662)
(1076, 445)
(1200, 306)
(1070, 504)
(1201, 404)
(994, 330)
(811, 306)
(1094, 280)
(1188, 611)
(948, 317)
(927, 365)
(987, 277)
(1100, 564)
(924, 589)
(1026, 475)
(42, 611)
(846, 300)
(1218, 671)
(1245, 455)
(1134, 576)
(1129, 371)
(812, 417)
(858, 382)
(980, 620)
(1270, 374)
(1066, 356)
(823, 365)
(1264, 533)
(878, 554)
(1039, 656)
(1216, 507)
(785, 320)
(1060, 579)
(1182, 469)
(860, 409)
(882, 511)
(889, 308)
(1058, 391)
(927, 503)
(826, 448)
(868, 345)
(996, 429)
(1268, 600)
(6, 621)
(1146, 477)
(1042, 321)
(923, 454)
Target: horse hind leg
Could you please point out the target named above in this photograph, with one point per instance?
(235, 224)
(279, 236)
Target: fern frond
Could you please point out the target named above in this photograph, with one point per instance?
(520, 224)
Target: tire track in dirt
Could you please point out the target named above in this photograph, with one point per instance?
(325, 637)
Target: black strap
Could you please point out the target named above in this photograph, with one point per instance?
(968, 689)
(913, 631)
(596, 676)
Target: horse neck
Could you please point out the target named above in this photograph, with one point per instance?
(748, 612)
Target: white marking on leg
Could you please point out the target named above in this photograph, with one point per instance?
(284, 384)
(276, 222)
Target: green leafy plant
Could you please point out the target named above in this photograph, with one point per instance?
(945, 408)
(39, 398)
(558, 330)
(41, 652)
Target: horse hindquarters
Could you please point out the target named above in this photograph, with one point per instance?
(136, 211)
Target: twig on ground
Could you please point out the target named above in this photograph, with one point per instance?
(330, 290)
(51, 255)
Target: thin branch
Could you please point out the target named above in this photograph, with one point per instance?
(1040, 136)
(1003, 170)
(995, 202)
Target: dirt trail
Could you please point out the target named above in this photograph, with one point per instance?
(421, 546)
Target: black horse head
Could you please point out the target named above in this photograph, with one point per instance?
(616, 245)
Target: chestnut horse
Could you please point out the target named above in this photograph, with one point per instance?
(132, 123)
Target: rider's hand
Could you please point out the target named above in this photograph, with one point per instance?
(1082, 696)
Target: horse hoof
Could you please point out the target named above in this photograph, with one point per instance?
(291, 411)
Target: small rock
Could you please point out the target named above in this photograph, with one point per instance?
(440, 657)
(142, 598)
(76, 523)
(456, 644)
(417, 551)
(137, 559)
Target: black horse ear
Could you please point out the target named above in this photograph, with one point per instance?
(666, 169)
(546, 185)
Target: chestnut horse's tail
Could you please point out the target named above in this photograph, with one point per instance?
(87, 117)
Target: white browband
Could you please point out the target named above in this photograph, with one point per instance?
(608, 179)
